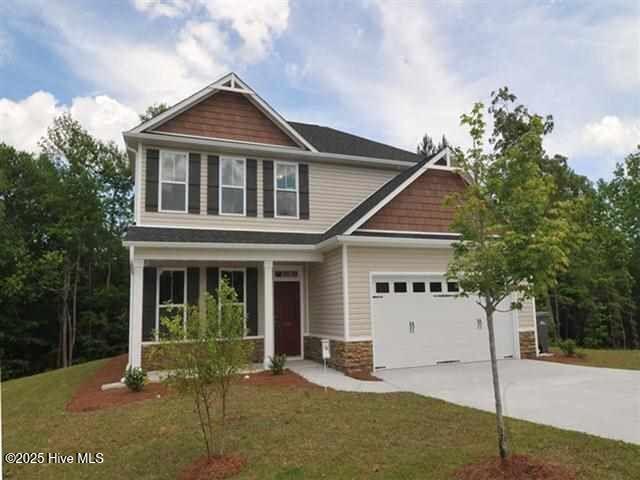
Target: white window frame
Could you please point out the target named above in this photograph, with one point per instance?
(185, 183)
(275, 189)
(244, 291)
(222, 186)
(170, 305)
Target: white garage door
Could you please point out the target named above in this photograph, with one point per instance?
(419, 320)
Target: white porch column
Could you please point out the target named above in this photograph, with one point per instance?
(269, 337)
(135, 348)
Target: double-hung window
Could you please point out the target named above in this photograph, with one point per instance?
(172, 294)
(286, 189)
(173, 181)
(236, 279)
(232, 186)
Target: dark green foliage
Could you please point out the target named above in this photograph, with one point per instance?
(277, 363)
(64, 287)
(153, 110)
(134, 379)
(428, 147)
(568, 347)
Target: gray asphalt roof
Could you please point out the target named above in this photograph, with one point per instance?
(330, 140)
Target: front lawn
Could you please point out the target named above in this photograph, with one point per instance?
(590, 357)
(285, 433)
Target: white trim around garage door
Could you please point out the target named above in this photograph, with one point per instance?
(514, 313)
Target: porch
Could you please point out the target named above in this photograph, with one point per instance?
(271, 287)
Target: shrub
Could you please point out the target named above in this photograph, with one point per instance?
(277, 363)
(568, 347)
(217, 353)
(134, 378)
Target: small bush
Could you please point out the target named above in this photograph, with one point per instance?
(277, 363)
(568, 347)
(134, 379)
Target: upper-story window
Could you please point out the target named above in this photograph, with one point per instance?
(286, 189)
(232, 186)
(173, 181)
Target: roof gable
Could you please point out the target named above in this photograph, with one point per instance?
(227, 115)
(420, 207)
(229, 83)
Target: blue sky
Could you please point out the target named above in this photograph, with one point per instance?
(387, 70)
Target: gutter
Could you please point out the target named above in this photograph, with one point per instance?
(260, 150)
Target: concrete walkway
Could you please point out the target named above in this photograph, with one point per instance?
(315, 373)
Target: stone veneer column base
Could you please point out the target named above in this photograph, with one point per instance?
(528, 345)
(153, 358)
(348, 357)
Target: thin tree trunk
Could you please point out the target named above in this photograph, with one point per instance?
(74, 316)
(503, 445)
(223, 419)
(557, 313)
(64, 317)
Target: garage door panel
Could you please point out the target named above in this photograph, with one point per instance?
(414, 328)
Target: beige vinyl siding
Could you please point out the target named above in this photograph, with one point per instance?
(363, 260)
(334, 190)
(325, 296)
(526, 316)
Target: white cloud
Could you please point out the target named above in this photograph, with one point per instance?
(393, 79)
(257, 23)
(203, 47)
(612, 134)
(23, 123)
(162, 8)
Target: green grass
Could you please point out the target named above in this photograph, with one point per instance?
(625, 359)
(285, 434)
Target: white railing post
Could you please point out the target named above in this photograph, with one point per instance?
(269, 337)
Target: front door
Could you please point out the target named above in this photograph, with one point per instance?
(287, 318)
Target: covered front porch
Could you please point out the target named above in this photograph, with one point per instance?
(272, 287)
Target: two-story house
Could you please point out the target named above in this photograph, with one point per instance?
(323, 234)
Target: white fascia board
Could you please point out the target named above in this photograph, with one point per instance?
(246, 148)
(222, 246)
(215, 254)
(395, 192)
(394, 242)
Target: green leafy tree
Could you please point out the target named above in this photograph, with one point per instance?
(206, 354)
(427, 147)
(513, 234)
(153, 111)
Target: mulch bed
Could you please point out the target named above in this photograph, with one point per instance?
(286, 379)
(516, 467)
(89, 397)
(207, 468)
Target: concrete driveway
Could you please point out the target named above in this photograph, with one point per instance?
(599, 401)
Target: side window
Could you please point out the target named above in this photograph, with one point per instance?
(453, 287)
(236, 280)
(382, 287)
(173, 181)
(286, 189)
(232, 186)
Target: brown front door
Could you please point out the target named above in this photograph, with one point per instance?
(286, 306)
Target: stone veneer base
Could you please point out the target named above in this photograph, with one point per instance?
(153, 358)
(348, 357)
(528, 345)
